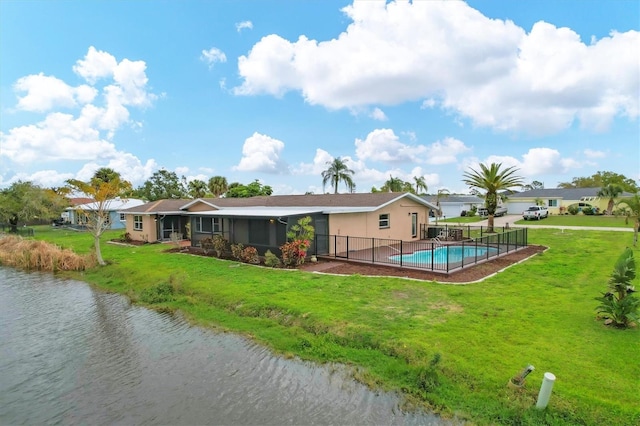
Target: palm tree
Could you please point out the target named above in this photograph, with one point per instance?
(632, 207)
(443, 192)
(197, 188)
(336, 172)
(491, 179)
(420, 184)
(610, 191)
(218, 186)
(395, 185)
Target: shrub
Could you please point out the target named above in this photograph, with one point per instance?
(207, 245)
(271, 260)
(250, 255)
(573, 210)
(294, 252)
(236, 251)
(589, 211)
(619, 306)
(220, 245)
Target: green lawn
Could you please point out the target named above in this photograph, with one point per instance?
(539, 312)
(581, 220)
(462, 219)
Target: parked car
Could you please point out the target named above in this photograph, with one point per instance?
(535, 212)
(500, 211)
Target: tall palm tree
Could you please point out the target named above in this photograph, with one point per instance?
(491, 180)
(610, 191)
(336, 172)
(632, 207)
(197, 188)
(420, 184)
(218, 186)
(442, 193)
(395, 185)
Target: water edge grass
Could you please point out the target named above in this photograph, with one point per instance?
(540, 312)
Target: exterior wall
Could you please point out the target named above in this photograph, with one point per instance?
(367, 224)
(116, 223)
(201, 207)
(149, 231)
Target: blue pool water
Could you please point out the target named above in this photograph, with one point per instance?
(439, 255)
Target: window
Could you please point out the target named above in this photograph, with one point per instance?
(383, 220)
(414, 225)
(137, 223)
(123, 218)
(217, 225)
(552, 203)
(203, 224)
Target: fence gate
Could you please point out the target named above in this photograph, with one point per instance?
(341, 246)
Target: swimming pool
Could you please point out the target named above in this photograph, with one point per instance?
(440, 254)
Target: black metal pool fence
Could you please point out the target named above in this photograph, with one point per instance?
(446, 252)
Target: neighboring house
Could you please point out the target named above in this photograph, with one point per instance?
(263, 222)
(74, 214)
(558, 200)
(454, 205)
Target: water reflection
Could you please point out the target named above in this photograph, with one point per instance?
(70, 354)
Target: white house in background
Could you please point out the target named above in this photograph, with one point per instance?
(454, 205)
(116, 219)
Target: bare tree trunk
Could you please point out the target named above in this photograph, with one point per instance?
(490, 223)
(96, 244)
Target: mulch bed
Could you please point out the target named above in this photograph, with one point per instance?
(466, 275)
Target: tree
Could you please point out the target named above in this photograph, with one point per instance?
(337, 172)
(491, 180)
(103, 191)
(218, 186)
(420, 184)
(26, 202)
(536, 184)
(600, 180)
(197, 188)
(632, 207)
(611, 191)
(254, 189)
(163, 185)
(442, 193)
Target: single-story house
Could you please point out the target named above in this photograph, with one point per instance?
(263, 222)
(558, 200)
(73, 215)
(454, 205)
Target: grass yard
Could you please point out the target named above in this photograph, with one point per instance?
(581, 220)
(539, 312)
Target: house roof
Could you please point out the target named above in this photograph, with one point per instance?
(113, 205)
(172, 206)
(564, 193)
(327, 203)
(76, 201)
(454, 199)
(361, 202)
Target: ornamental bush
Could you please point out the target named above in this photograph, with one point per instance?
(619, 306)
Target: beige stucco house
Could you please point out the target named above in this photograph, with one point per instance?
(263, 222)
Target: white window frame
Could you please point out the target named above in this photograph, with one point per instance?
(384, 221)
(414, 225)
(216, 225)
(123, 217)
(137, 222)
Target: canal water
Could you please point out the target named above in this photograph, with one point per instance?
(70, 354)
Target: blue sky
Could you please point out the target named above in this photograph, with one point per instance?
(273, 90)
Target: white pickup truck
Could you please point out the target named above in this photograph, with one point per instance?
(535, 212)
(500, 211)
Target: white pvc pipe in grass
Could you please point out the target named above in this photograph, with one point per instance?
(545, 390)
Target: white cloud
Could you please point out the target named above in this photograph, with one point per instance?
(86, 134)
(128, 165)
(261, 153)
(182, 170)
(490, 71)
(316, 167)
(96, 64)
(378, 114)
(244, 25)
(590, 153)
(384, 145)
(46, 92)
(445, 151)
(213, 55)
